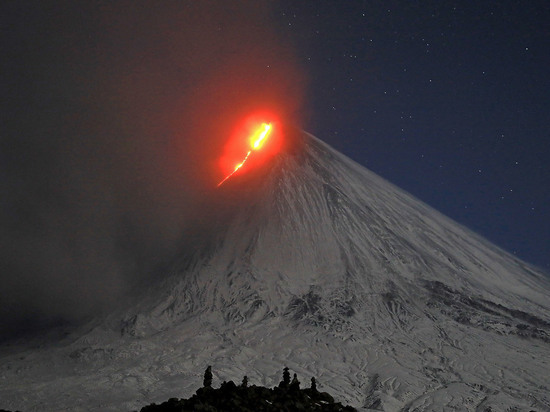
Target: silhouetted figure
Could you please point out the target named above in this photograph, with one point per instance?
(295, 384)
(286, 377)
(313, 384)
(207, 382)
(244, 384)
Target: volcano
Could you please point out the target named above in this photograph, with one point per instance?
(316, 263)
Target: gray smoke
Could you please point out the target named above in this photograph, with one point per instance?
(114, 117)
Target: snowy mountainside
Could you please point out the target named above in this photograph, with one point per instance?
(321, 265)
(324, 227)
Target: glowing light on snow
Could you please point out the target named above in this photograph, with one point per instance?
(257, 140)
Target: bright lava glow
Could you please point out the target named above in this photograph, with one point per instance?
(256, 141)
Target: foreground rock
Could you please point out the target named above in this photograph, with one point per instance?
(229, 397)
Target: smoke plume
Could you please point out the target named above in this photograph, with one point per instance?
(116, 114)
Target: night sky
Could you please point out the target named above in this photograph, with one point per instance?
(114, 113)
(448, 100)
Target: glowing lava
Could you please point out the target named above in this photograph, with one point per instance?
(256, 142)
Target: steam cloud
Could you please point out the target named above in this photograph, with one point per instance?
(116, 115)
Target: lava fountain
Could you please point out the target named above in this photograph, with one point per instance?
(257, 140)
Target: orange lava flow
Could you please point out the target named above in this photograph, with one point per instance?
(256, 141)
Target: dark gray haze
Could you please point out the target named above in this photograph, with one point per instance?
(112, 121)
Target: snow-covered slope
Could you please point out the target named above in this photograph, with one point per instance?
(318, 264)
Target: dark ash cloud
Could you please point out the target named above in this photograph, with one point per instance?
(115, 115)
